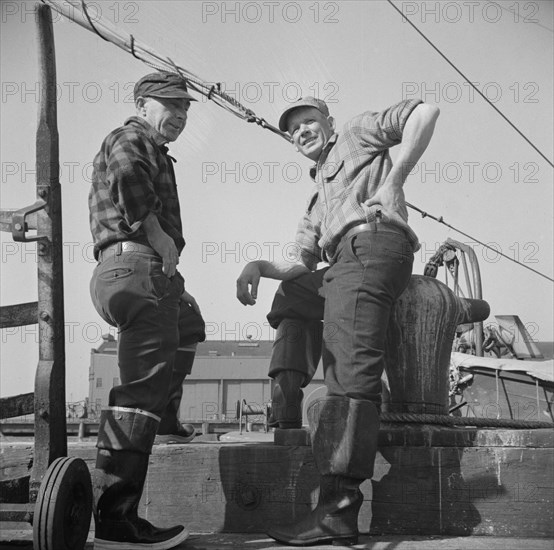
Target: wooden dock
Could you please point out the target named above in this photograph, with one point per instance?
(429, 481)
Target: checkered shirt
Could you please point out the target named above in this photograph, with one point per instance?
(351, 168)
(132, 177)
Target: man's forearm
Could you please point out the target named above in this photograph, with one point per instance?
(417, 134)
(151, 227)
(282, 271)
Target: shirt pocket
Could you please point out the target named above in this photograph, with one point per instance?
(334, 180)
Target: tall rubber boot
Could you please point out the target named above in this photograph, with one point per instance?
(125, 439)
(344, 444)
(170, 429)
(294, 359)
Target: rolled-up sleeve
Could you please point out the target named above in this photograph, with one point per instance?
(380, 131)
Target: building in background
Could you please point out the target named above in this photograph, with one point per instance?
(224, 373)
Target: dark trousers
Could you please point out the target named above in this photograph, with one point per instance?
(130, 292)
(354, 297)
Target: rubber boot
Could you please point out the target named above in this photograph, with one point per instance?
(125, 439)
(286, 401)
(294, 359)
(170, 429)
(344, 444)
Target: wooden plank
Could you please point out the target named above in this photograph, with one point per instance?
(15, 490)
(18, 405)
(18, 315)
(17, 512)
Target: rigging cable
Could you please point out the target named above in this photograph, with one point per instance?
(78, 12)
(441, 220)
(213, 92)
(474, 87)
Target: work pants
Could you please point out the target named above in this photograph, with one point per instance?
(130, 291)
(354, 297)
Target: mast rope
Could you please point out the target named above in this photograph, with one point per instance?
(78, 12)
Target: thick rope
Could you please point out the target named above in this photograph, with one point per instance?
(78, 12)
(445, 420)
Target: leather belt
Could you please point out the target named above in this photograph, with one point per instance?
(371, 226)
(126, 246)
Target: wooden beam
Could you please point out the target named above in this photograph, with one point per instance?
(50, 422)
(18, 315)
(18, 405)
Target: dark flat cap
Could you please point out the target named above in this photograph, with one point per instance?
(162, 84)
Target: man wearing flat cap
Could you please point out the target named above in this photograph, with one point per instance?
(136, 225)
(355, 221)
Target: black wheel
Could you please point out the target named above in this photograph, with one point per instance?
(63, 509)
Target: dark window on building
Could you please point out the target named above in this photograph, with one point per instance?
(99, 382)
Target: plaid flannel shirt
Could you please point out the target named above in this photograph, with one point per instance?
(352, 167)
(132, 177)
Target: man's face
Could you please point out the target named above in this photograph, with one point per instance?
(310, 129)
(166, 115)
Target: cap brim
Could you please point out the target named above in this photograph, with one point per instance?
(283, 118)
(172, 95)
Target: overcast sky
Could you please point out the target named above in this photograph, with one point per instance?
(242, 188)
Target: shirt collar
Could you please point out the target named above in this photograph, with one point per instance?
(149, 130)
(324, 153)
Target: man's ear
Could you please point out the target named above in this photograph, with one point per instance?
(331, 121)
(139, 104)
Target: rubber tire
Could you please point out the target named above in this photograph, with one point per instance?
(64, 506)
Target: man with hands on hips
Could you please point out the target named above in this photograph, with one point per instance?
(356, 221)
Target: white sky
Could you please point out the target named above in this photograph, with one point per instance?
(243, 189)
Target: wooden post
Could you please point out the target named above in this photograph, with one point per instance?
(50, 422)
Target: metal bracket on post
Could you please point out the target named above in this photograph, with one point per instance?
(20, 226)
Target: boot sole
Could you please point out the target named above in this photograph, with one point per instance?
(101, 544)
(347, 540)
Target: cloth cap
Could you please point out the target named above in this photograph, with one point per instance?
(307, 101)
(162, 84)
